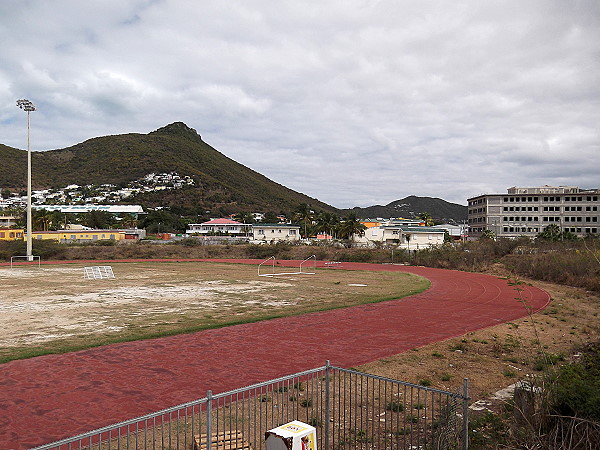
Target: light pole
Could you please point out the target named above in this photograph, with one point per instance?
(27, 106)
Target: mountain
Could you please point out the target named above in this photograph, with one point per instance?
(221, 185)
(412, 206)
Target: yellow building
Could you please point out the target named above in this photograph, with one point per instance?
(79, 235)
(11, 234)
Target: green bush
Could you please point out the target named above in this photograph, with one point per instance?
(576, 390)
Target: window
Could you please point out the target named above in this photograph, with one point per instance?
(293, 232)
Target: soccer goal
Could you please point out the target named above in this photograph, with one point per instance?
(31, 258)
(98, 272)
(307, 264)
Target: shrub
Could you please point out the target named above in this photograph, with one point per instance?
(395, 406)
(576, 390)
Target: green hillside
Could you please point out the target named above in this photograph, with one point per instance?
(221, 183)
(411, 206)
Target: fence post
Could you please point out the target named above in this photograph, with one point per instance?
(209, 420)
(465, 413)
(327, 402)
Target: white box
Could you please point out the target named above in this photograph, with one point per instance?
(295, 435)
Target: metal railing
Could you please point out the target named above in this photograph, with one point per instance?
(349, 409)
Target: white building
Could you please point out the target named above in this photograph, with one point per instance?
(272, 233)
(218, 226)
(399, 234)
(527, 211)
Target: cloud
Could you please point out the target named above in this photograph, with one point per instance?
(354, 103)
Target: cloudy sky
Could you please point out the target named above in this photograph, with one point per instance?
(354, 102)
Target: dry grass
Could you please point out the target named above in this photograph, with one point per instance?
(496, 357)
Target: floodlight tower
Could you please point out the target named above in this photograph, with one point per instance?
(27, 106)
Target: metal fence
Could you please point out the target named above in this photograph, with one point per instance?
(349, 409)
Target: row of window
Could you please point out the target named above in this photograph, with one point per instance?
(550, 219)
(521, 199)
(580, 219)
(537, 230)
(520, 208)
(476, 210)
(94, 237)
(262, 232)
(10, 235)
(521, 229)
(589, 198)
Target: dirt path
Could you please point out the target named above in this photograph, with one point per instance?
(51, 397)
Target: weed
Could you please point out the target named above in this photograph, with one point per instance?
(315, 422)
(306, 402)
(395, 406)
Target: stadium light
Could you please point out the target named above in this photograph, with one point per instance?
(27, 106)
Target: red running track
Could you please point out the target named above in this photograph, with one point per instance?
(51, 397)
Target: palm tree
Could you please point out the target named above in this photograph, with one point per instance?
(304, 215)
(351, 226)
(426, 218)
(327, 223)
(129, 221)
(42, 219)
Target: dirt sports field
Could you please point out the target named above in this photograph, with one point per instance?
(56, 306)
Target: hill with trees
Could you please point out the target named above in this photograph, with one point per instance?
(221, 185)
(412, 207)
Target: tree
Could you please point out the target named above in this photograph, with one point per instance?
(58, 220)
(304, 216)
(488, 234)
(552, 233)
(270, 217)
(426, 218)
(129, 221)
(99, 220)
(245, 217)
(351, 226)
(327, 223)
(41, 219)
(160, 221)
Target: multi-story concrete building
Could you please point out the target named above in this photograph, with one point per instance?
(526, 211)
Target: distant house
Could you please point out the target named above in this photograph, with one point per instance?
(11, 234)
(400, 233)
(218, 226)
(275, 232)
(79, 235)
(7, 221)
(456, 232)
